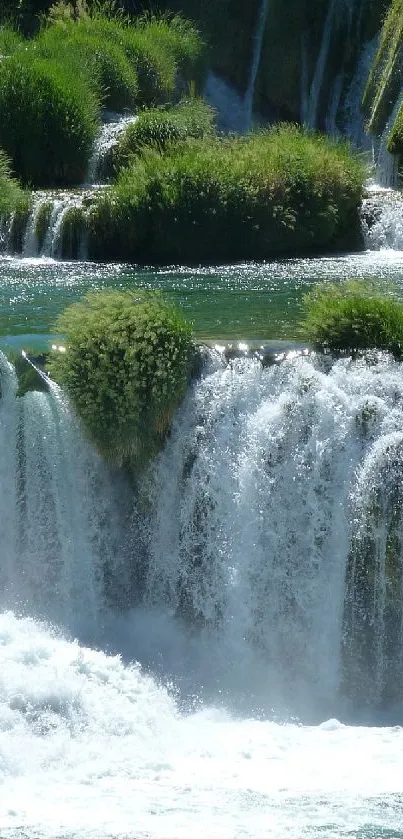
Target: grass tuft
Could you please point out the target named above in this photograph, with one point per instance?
(353, 316)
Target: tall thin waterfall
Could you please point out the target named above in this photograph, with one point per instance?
(257, 51)
(58, 523)
(265, 543)
(310, 103)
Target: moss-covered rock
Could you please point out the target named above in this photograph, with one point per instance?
(385, 79)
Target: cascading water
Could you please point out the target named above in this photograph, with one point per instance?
(229, 585)
(382, 219)
(113, 127)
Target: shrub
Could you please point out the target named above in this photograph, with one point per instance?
(126, 367)
(160, 127)
(102, 63)
(353, 315)
(277, 192)
(48, 121)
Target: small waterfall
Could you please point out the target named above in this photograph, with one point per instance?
(257, 51)
(382, 219)
(353, 116)
(112, 129)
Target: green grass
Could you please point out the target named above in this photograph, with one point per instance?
(353, 316)
(48, 120)
(11, 195)
(277, 192)
(102, 63)
(10, 40)
(160, 128)
(128, 361)
(180, 39)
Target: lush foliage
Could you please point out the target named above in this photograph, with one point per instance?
(102, 63)
(283, 191)
(48, 120)
(353, 315)
(10, 40)
(126, 368)
(161, 127)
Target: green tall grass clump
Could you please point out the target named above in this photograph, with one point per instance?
(101, 62)
(353, 316)
(161, 127)
(126, 368)
(48, 120)
(10, 40)
(277, 192)
(11, 195)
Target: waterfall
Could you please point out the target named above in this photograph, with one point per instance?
(353, 116)
(58, 520)
(241, 539)
(113, 127)
(311, 103)
(257, 51)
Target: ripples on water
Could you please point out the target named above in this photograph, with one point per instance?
(251, 300)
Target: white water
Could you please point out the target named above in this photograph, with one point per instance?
(237, 564)
(113, 127)
(382, 219)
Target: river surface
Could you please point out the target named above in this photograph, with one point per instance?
(251, 300)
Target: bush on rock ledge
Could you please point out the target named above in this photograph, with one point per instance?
(127, 364)
(353, 315)
(283, 191)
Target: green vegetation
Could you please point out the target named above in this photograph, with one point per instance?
(160, 128)
(353, 316)
(11, 195)
(53, 86)
(126, 368)
(10, 40)
(282, 191)
(395, 139)
(385, 79)
(48, 121)
(101, 63)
